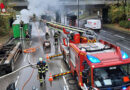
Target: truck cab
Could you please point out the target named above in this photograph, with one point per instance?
(100, 66)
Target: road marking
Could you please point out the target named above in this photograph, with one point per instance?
(124, 39)
(17, 81)
(25, 57)
(117, 43)
(64, 80)
(30, 43)
(123, 46)
(119, 36)
(106, 38)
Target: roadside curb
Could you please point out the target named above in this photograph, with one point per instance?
(114, 29)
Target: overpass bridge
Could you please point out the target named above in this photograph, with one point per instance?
(86, 2)
(24, 3)
(69, 5)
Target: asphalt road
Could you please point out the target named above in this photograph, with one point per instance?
(56, 65)
(120, 39)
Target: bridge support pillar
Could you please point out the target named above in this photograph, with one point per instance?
(105, 15)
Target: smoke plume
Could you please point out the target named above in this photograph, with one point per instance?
(41, 6)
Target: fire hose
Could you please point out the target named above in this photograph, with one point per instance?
(16, 70)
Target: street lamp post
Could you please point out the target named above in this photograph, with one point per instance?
(78, 13)
(124, 9)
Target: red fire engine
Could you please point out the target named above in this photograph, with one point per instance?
(96, 66)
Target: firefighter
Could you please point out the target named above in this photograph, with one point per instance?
(27, 35)
(42, 69)
(56, 35)
(21, 29)
(21, 24)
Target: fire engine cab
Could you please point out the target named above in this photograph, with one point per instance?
(98, 66)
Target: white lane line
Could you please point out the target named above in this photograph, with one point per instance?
(64, 80)
(117, 43)
(116, 35)
(17, 81)
(123, 46)
(25, 57)
(106, 38)
(119, 36)
(30, 43)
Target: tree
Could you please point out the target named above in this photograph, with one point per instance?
(116, 13)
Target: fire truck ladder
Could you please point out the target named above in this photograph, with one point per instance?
(61, 74)
(60, 27)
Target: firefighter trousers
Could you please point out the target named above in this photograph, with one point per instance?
(42, 75)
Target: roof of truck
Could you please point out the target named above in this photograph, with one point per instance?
(93, 48)
(105, 53)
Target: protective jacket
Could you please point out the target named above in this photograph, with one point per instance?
(42, 67)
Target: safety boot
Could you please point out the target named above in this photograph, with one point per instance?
(41, 84)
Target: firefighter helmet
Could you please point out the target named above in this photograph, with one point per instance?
(40, 59)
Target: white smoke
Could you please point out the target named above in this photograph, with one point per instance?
(40, 7)
(25, 15)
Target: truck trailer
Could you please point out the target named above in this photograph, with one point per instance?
(9, 53)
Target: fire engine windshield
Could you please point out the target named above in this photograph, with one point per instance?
(115, 76)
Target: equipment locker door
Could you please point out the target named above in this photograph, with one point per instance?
(86, 74)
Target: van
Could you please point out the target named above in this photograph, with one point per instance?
(94, 24)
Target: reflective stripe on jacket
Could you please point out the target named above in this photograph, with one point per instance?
(42, 67)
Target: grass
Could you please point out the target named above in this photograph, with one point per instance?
(4, 39)
(116, 27)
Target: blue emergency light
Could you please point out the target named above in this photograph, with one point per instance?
(124, 88)
(93, 59)
(124, 55)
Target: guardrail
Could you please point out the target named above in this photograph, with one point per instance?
(86, 2)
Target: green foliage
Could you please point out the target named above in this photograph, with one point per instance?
(120, 14)
(116, 13)
(125, 24)
(3, 25)
(4, 21)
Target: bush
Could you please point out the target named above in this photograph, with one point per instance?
(116, 12)
(125, 24)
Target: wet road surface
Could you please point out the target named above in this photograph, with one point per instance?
(56, 65)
